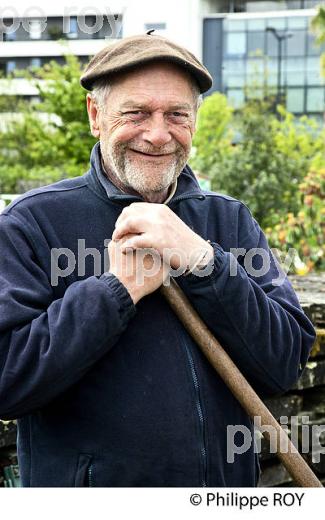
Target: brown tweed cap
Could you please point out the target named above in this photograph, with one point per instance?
(134, 51)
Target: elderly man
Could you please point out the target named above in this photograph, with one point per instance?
(108, 387)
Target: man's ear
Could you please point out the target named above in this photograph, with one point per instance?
(93, 115)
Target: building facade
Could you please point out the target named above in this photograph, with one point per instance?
(265, 46)
(245, 44)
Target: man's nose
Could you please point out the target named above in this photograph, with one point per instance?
(157, 130)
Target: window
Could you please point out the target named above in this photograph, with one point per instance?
(315, 100)
(35, 62)
(297, 22)
(73, 31)
(296, 44)
(312, 47)
(256, 24)
(277, 23)
(35, 29)
(271, 44)
(271, 71)
(236, 98)
(295, 71)
(155, 26)
(235, 66)
(251, 57)
(235, 25)
(10, 34)
(11, 65)
(255, 42)
(295, 100)
(235, 80)
(236, 44)
(313, 75)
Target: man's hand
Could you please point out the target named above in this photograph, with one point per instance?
(156, 226)
(140, 272)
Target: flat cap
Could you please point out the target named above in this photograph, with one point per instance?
(134, 51)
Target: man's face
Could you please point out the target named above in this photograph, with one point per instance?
(146, 127)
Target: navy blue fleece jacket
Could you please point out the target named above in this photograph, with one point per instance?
(109, 394)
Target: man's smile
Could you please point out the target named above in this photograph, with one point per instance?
(150, 154)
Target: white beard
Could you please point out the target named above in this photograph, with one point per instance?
(130, 174)
(138, 181)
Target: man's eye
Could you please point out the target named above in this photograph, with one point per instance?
(135, 115)
(181, 117)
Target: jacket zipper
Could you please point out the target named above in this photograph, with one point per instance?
(193, 195)
(90, 476)
(200, 414)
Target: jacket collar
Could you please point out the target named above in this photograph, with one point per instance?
(187, 185)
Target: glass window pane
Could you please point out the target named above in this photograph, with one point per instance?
(312, 48)
(155, 26)
(236, 66)
(277, 23)
(313, 63)
(256, 24)
(295, 71)
(271, 44)
(236, 98)
(35, 62)
(236, 25)
(236, 44)
(315, 100)
(297, 22)
(271, 71)
(296, 43)
(255, 42)
(10, 34)
(11, 65)
(295, 100)
(74, 25)
(313, 74)
(235, 80)
(35, 29)
(295, 78)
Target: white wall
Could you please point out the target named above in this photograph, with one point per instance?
(182, 17)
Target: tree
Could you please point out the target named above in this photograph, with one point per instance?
(305, 230)
(50, 139)
(213, 133)
(261, 160)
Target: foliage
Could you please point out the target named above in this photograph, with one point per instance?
(318, 26)
(274, 163)
(266, 162)
(49, 139)
(305, 231)
(212, 135)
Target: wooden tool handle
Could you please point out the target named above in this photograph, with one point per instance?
(239, 386)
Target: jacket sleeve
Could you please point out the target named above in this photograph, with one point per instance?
(48, 344)
(250, 306)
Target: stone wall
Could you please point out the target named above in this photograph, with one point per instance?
(305, 403)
